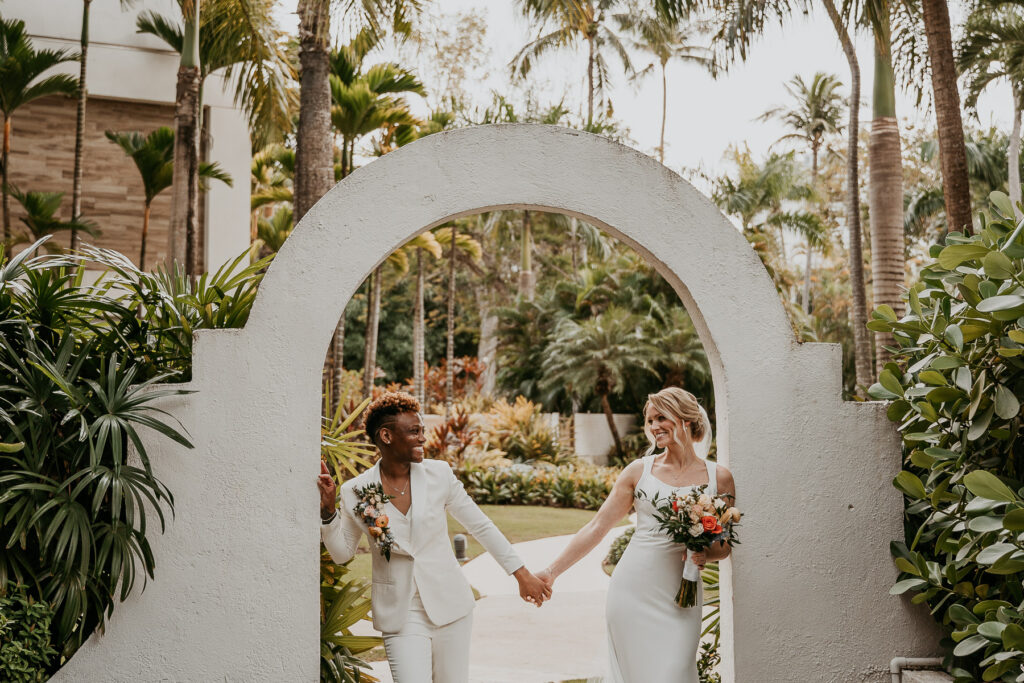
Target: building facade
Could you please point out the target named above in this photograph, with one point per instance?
(131, 85)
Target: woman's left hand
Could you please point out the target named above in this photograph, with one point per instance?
(699, 558)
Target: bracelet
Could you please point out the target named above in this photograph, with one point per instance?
(329, 519)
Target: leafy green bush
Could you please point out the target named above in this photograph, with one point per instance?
(520, 431)
(78, 365)
(955, 389)
(25, 649)
(618, 547)
(570, 486)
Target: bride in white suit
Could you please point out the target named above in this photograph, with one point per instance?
(421, 602)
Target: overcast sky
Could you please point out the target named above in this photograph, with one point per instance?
(705, 115)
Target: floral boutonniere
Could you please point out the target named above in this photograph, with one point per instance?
(371, 497)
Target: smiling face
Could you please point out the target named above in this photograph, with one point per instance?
(401, 438)
(662, 429)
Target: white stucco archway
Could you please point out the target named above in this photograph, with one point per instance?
(235, 597)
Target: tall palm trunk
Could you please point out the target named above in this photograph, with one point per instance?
(861, 343)
(183, 246)
(807, 265)
(76, 183)
(145, 236)
(6, 171)
(526, 279)
(337, 365)
(449, 375)
(487, 349)
(418, 333)
(372, 327)
(590, 81)
(606, 407)
(885, 187)
(573, 239)
(1013, 155)
(314, 161)
(664, 112)
(952, 151)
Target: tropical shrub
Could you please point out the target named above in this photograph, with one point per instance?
(571, 486)
(618, 547)
(453, 439)
(25, 649)
(521, 432)
(955, 387)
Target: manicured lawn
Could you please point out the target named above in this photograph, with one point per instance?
(518, 522)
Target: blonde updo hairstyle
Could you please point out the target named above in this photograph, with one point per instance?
(681, 407)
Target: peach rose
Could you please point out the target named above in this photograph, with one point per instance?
(376, 531)
(709, 523)
(382, 521)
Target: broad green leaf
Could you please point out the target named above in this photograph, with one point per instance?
(993, 553)
(998, 265)
(946, 363)
(932, 377)
(1014, 520)
(954, 336)
(985, 524)
(885, 312)
(952, 256)
(980, 424)
(987, 485)
(1016, 335)
(910, 484)
(1001, 203)
(11, 447)
(890, 382)
(960, 615)
(993, 630)
(905, 585)
(1003, 302)
(1013, 637)
(1007, 405)
(970, 645)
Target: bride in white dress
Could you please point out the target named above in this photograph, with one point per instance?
(650, 638)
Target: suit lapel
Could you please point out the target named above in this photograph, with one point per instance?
(418, 489)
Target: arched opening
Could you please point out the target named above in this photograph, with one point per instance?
(559, 333)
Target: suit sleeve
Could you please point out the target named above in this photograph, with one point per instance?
(469, 515)
(341, 536)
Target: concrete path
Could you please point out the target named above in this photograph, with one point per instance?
(515, 642)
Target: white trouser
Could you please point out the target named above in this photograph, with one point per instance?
(424, 653)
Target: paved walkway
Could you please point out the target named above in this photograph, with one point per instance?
(515, 642)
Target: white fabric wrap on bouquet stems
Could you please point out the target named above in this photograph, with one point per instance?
(691, 572)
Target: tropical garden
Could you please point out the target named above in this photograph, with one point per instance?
(900, 243)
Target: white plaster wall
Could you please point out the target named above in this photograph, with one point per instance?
(125, 65)
(235, 597)
(592, 437)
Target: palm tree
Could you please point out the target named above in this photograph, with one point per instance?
(83, 95)
(597, 354)
(40, 217)
(816, 113)
(314, 162)
(272, 232)
(230, 35)
(153, 155)
(573, 21)
(862, 347)
(952, 151)
(665, 39)
(885, 182)
(993, 50)
(22, 81)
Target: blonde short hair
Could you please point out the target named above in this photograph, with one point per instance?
(680, 405)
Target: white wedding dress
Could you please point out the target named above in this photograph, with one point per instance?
(650, 638)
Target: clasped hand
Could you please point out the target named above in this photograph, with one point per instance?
(531, 588)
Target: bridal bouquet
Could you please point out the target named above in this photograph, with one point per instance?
(697, 521)
(371, 497)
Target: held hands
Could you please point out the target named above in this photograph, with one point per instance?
(531, 588)
(328, 491)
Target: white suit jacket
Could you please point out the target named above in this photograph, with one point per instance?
(428, 556)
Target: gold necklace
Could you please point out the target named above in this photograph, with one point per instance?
(395, 488)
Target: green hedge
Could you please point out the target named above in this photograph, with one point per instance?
(955, 390)
(568, 486)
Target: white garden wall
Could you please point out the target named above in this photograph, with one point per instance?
(236, 597)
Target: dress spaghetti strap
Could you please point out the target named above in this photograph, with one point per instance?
(712, 477)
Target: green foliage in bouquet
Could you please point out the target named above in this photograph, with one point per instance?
(955, 389)
(25, 648)
(618, 547)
